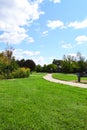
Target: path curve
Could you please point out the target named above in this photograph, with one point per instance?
(51, 79)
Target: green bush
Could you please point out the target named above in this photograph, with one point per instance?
(21, 73)
(2, 76)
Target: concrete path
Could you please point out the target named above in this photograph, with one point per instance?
(49, 78)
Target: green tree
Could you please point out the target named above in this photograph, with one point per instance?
(44, 68)
(7, 63)
(39, 68)
(59, 64)
(30, 64)
(51, 68)
(27, 64)
(69, 64)
(21, 63)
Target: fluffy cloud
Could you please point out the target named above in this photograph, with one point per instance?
(14, 16)
(34, 55)
(40, 60)
(68, 45)
(56, 1)
(55, 24)
(59, 24)
(81, 39)
(12, 37)
(20, 54)
(78, 25)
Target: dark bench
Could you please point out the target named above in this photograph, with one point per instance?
(82, 74)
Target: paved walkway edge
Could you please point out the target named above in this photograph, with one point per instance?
(51, 79)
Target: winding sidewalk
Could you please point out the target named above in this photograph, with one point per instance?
(49, 78)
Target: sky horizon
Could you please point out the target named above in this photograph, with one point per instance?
(43, 30)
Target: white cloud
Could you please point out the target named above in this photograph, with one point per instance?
(12, 37)
(45, 33)
(81, 39)
(40, 60)
(14, 16)
(55, 24)
(56, 1)
(20, 54)
(68, 45)
(78, 25)
(26, 54)
(30, 39)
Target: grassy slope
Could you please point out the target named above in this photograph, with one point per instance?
(67, 77)
(36, 104)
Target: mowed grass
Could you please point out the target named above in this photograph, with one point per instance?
(68, 77)
(36, 104)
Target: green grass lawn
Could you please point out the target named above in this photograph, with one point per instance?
(68, 77)
(36, 104)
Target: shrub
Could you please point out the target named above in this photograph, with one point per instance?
(21, 73)
(2, 76)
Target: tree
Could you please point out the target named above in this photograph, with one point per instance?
(69, 64)
(39, 68)
(27, 64)
(44, 68)
(30, 64)
(51, 68)
(21, 63)
(59, 64)
(7, 63)
(73, 64)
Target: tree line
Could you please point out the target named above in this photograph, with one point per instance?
(69, 64)
(12, 68)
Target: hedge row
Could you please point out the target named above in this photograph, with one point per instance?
(19, 73)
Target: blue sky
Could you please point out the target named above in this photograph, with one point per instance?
(43, 30)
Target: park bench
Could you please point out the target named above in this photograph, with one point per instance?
(81, 74)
